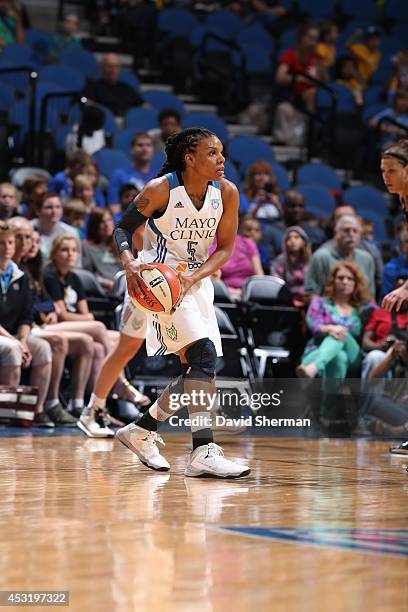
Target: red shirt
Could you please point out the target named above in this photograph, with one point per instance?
(309, 66)
(381, 322)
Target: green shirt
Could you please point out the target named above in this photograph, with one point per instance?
(7, 29)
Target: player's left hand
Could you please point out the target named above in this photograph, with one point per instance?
(396, 298)
(186, 283)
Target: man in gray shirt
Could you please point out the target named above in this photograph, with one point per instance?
(347, 235)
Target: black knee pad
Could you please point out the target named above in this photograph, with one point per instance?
(201, 357)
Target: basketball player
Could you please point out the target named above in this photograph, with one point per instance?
(184, 208)
(394, 168)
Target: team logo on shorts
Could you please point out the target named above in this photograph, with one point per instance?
(215, 203)
(172, 332)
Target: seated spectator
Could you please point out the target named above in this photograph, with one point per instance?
(262, 192)
(91, 170)
(33, 192)
(83, 189)
(335, 324)
(20, 348)
(75, 344)
(67, 292)
(347, 235)
(8, 201)
(399, 78)
(136, 174)
(89, 134)
(367, 52)
(291, 265)
(61, 183)
(243, 263)
(65, 39)
(398, 266)
(326, 48)
(109, 90)
(127, 194)
(75, 215)
(273, 14)
(169, 123)
(99, 255)
(11, 27)
(293, 213)
(348, 75)
(390, 133)
(251, 228)
(302, 58)
(49, 224)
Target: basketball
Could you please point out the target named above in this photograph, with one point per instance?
(164, 289)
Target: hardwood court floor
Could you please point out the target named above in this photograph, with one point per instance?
(85, 516)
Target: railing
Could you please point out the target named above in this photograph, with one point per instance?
(388, 120)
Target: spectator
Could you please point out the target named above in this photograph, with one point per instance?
(67, 342)
(48, 223)
(251, 228)
(243, 263)
(326, 49)
(89, 134)
(91, 170)
(8, 201)
(293, 213)
(348, 75)
(302, 58)
(61, 183)
(364, 244)
(335, 324)
(110, 91)
(20, 348)
(23, 237)
(400, 74)
(33, 192)
(99, 255)
(138, 173)
(291, 265)
(398, 266)
(169, 123)
(367, 53)
(65, 39)
(83, 189)
(390, 133)
(127, 194)
(75, 215)
(262, 192)
(11, 27)
(347, 235)
(273, 14)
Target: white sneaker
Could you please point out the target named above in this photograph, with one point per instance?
(143, 443)
(209, 461)
(92, 422)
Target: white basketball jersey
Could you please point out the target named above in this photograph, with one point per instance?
(182, 235)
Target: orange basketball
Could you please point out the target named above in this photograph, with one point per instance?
(163, 289)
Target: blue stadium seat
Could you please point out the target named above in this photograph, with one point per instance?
(122, 139)
(396, 10)
(243, 150)
(345, 102)
(231, 173)
(18, 80)
(176, 22)
(81, 60)
(39, 41)
(130, 78)
(64, 76)
(371, 110)
(60, 105)
(19, 117)
(373, 94)
(163, 99)
(363, 9)
(110, 123)
(197, 35)
(7, 96)
(141, 119)
(257, 57)
(231, 24)
(256, 33)
(281, 175)
(208, 121)
(316, 9)
(110, 159)
(380, 232)
(318, 174)
(21, 55)
(383, 72)
(317, 198)
(366, 198)
(287, 39)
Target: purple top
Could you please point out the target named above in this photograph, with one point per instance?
(239, 266)
(323, 312)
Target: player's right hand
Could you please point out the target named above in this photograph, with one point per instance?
(396, 298)
(135, 283)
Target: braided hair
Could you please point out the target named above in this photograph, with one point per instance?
(179, 144)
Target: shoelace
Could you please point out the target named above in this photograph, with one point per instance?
(214, 450)
(154, 437)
